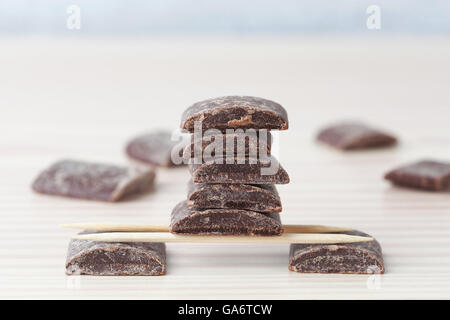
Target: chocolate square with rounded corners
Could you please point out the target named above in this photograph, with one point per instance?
(355, 136)
(425, 174)
(85, 257)
(242, 145)
(241, 170)
(155, 148)
(235, 112)
(361, 257)
(224, 222)
(261, 198)
(93, 181)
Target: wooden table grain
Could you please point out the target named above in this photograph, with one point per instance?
(84, 98)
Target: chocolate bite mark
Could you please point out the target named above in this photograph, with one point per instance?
(235, 112)
(242, 122)
(353, 136)
(246, 173)
(224, 222)
(426, 175)
(153, 148)
(362, 257)
(115, 258)
(93, 181)
(261, 198)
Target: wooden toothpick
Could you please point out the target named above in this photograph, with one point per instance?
(149, 227)
(307, 238)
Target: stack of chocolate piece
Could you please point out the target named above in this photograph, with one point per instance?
(232, 190)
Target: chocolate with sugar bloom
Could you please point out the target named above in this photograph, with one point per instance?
(426, 174)
(235, 112)
(93, 181)
(251, 171)
(361, 257)
(353, 136)
(154, 148)
(261, 198)
(97, 258)
(224, 222)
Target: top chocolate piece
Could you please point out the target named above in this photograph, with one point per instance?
(235, 112)
(354, 135)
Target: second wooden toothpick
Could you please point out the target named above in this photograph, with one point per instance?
(148, 227)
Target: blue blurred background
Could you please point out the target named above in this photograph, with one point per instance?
(230, 17)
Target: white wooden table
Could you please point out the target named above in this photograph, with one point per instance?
(83, 99)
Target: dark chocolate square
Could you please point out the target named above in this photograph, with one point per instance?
(224, 222)
(235, 112)
(360, 257)
(93, 181)
(354, 136)
(155, 148)
(97, 258)
(249, 171)
(426, 174)
(261, 198)
(244, 145)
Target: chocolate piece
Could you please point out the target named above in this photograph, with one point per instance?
(267, 171)
(115, 258)
(155, 148)
(235, 112)
(361, 257)
(261, 198)
(224, 221)
(428, 175)
(352, 136)
(93, 181)
(243, 145)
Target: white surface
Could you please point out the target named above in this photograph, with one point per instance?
(84, 99)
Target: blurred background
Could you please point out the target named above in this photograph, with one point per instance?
(232, 17)
(71, 70)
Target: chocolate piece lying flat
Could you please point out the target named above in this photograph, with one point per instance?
(428, 175)
(115, 258)
(154, 148)
(235, 112)
(243, 145)
(361, 257)
(267, 171)
(351, 136)
(93, 181)
(261, 198)
(224, 221)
